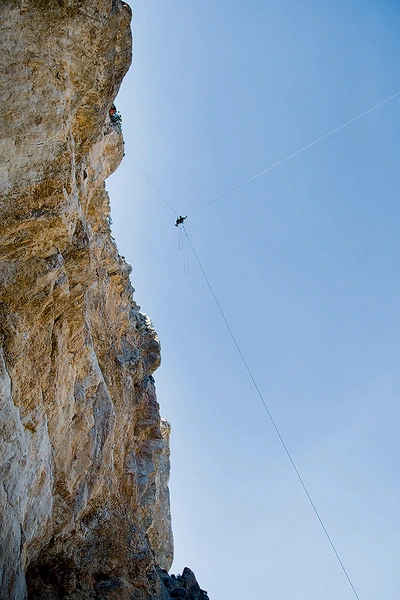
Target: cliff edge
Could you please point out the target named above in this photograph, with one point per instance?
(84, 455)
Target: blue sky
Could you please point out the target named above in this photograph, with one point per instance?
(304, 261)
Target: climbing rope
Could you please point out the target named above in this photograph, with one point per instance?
(184, 244)
(294, 154)
(151, 183)
(282, 441)
(270, 168)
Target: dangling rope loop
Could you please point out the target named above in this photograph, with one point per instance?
(185, 253)
(183, 245)
(180, 238)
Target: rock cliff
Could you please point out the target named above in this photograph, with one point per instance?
(84, 455)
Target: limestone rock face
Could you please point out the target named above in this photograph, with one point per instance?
(84, 458)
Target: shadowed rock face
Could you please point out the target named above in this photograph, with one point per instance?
(84, 458)
(182, 587)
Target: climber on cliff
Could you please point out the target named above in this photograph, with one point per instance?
(180, 220)
(112, 110)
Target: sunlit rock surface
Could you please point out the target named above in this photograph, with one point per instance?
(84, 455)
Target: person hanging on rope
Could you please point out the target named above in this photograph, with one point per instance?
(180, 220)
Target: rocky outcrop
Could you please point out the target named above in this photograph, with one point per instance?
(84, 457)
(182, 587)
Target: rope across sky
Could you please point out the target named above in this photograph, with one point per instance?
(271, 167)
(287, 158)
(282, 441)
(295, 153)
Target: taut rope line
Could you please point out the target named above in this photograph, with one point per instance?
(272, 419)
(295, 153)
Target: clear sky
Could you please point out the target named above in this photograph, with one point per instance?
(304, 261)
